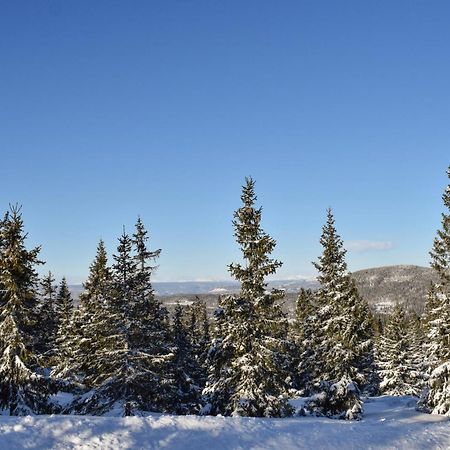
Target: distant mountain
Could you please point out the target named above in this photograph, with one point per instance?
(384, 286)
(381, 286)
(225, 287)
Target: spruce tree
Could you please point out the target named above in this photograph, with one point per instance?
(132, 368)
(23, 388)
(399, 368)
(198, 329)
(47, 318)
(90, 317)
(437, 320)
(248, 365)
(344, 336)
(340, 357)
(186, 370)
(302, 339)
(97, 282)
(66, 334)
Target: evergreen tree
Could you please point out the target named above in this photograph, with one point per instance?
(23, 389)
(66, 334)
(97, 282)
(132, 368)
(343, 341)
(187, 372)
(248, 365)
(437, 320)
(90, 319)
(302, 338)
(339, 361)
(198, 331)
(47, 318)
(143, 258)
(400, 369)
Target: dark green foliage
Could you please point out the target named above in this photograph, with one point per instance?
(23, 389)
(198, 325)
(188, 374)
(97, 282)
(67, 334)
(198, 330)
(90, 320)
(338, 400)
(398, 356)
(333, 336)
(132, 368)
(436, 398)
(440, 253)
(248, 373)
(48, 328)
(302, 336)
(343, 337)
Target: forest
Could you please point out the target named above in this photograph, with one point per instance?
(120, 351)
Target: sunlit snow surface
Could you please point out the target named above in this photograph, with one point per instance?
(389, 423)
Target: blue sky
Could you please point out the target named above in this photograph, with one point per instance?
(110, 109)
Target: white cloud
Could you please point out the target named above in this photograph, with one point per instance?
(362, 246)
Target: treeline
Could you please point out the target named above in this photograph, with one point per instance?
(120, 352)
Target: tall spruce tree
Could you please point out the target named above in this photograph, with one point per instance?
(97, 282)
(340, 356)
(47, 318)
(132, 368)
(437, 319)
(344, 337)
(198, 331)
(90, 318)
(186, 369)
(248, 365)
(397, 357)
(302, 338)
(66, 334)
(23, 388)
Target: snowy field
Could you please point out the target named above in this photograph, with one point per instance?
(389, 423)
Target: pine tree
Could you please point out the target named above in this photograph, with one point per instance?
(143, 257)
(47, 318)
(302, 339)
(187, 372)
(198, 330)
(437, 320)
(67, 334)
(340, 357)
(97, 282)
(248, 365)
(343, 344)
(23, 389)
(90, 318)
(132, 368)
(400, 370)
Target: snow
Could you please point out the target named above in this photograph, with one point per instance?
(389, 423)
(219, 291)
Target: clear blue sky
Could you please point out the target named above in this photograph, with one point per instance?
(110, 109)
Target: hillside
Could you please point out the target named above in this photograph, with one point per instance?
(381, 286)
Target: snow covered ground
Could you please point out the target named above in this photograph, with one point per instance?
(389, 423)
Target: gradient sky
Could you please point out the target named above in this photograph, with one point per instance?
(110, 109)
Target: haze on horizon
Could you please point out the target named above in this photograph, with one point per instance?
(161, 110)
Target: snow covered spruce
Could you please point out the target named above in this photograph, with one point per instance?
(248, 373)
(119, 352)
(334, 336)
(436, 397)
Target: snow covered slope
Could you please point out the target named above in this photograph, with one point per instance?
(389, 423)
